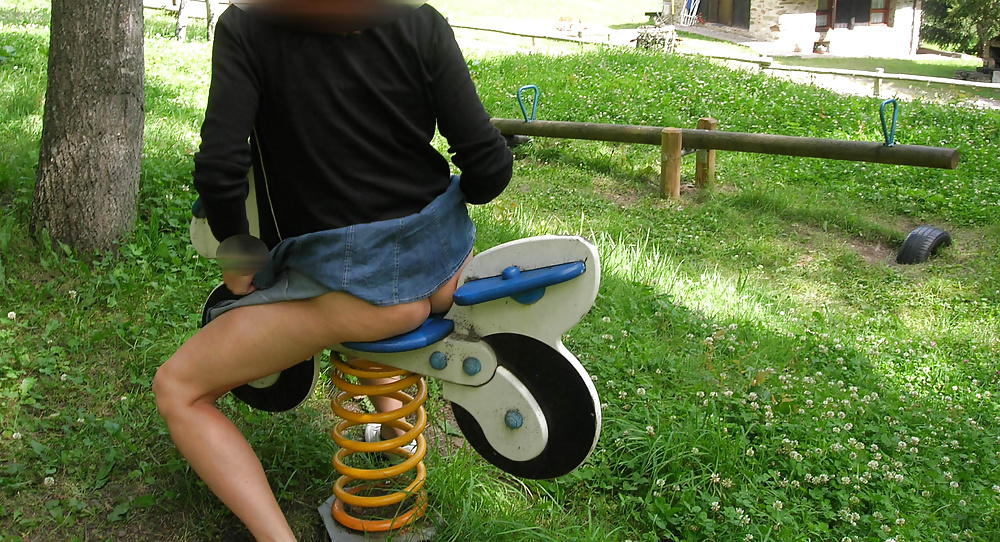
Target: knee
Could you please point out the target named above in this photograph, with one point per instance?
(168, 390)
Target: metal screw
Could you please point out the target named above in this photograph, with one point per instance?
(513, 419)
(439, 360)
(472, 366)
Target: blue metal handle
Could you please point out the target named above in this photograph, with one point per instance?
(525, 287)
(889, 132)
(534, 102)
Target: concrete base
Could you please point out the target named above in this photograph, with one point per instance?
(420, 531)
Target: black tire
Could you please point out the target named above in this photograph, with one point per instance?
(921, 244)
(566, 401)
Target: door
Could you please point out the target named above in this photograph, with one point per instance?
(741, 13)
(725, 12)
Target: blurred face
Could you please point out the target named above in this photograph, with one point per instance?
(330, 15)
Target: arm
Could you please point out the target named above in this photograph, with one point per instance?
(478, 148)
(222, 163)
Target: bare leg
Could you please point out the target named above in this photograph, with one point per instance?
(240, 346)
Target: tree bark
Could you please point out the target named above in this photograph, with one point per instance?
(180, 33)
(91, 148)
(213, 8)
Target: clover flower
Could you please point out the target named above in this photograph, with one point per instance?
(11, 315)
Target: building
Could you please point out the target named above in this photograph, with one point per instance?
(889, 28)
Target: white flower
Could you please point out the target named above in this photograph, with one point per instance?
(72, 294)
(750, 452)
(650, 431)
(11, 315)
(16, 436)
(606, 319)
(640, 392)
(49, 481)
(954, 485)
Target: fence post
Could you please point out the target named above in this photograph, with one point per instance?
(670, 163)
(878, 82)
(705, 172)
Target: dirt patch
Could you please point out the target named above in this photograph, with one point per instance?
(874, 253)
(623, 196)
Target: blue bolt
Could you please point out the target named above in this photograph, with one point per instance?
(439, 360)
(513, 419)
(472, 366)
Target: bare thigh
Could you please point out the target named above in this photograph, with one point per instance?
(250, 342)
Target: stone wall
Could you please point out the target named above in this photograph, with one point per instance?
(793, 22)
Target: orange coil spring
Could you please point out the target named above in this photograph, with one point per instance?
(379, 481)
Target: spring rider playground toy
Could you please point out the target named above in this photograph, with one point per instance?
(520, 398)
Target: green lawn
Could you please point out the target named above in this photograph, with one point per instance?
(944, 68)
(766, 371)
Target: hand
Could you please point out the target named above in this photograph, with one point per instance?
(238, 283)
(241, 257)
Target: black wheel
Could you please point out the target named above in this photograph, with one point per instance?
(275, 393)
(921, 244)
(569, 405)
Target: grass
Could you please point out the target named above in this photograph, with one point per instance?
(937, 67)
(944, 68)
(765, 369)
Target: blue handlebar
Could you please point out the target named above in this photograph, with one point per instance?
(525, 287)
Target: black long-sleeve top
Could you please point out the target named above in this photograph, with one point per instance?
(340, 125)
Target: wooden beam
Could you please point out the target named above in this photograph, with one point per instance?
(832, 149)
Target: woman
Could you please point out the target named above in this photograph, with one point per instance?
(368, 229)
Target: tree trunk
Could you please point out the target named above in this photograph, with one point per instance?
(180, 33)
(213, 8)
(88, 166)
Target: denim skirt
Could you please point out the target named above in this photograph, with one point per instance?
(385, 263)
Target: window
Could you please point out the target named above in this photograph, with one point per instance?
(879, 13)
(824, 13)
(851, 13)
